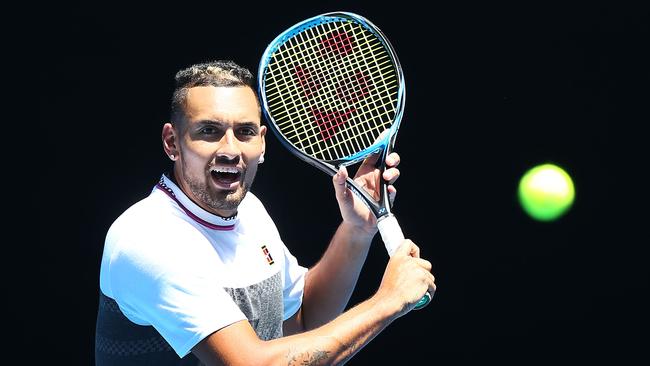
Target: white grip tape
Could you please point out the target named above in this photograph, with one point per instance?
(391, 233)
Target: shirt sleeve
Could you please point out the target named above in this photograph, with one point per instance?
(294, 284)
(173, 288)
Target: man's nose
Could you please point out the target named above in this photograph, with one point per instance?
(229, 147)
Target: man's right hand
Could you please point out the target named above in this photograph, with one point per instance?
(407, 278)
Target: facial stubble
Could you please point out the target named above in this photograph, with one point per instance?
(218, 200)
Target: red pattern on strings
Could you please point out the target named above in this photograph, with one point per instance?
(308, 80)
(337, 44)
(354, 88)
(328, 121)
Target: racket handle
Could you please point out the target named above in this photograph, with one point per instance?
(392, 236)
(391, 233)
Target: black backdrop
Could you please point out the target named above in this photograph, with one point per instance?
(491, 91)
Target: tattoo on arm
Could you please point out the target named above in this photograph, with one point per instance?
(308, 358)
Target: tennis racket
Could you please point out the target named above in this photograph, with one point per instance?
(330, 85)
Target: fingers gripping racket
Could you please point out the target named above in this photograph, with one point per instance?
(330, 85)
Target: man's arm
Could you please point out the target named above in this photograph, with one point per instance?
(330, 283)
(405, 281)
(331, 344)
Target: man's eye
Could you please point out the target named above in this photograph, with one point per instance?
(248, 131)
(208, 130)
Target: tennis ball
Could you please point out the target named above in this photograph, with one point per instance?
(546, 192)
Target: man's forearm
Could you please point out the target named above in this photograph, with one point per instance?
(329, 284)
(331, 344)
(336, 342)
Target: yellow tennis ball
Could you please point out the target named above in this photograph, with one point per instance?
(546, 192)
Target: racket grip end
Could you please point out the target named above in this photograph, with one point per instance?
(424, 301)
(391, 232)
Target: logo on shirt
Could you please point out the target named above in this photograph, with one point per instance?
(267, 254)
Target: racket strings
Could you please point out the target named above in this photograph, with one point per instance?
(306, 54)
(340, 82)
(327, 122)
(350, 143)
(348, 78)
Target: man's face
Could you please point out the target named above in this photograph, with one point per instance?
(220, 146)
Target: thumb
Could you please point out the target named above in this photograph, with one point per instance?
(340, 187)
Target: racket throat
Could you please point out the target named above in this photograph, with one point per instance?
(379, 208)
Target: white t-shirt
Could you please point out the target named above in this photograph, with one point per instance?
(170, 264)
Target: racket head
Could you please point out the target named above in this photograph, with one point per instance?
(329, 86)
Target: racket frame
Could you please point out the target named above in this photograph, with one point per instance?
(384, 146)
(388, 226)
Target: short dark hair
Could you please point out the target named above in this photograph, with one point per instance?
(219, 73)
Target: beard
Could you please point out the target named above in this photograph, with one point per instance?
(217, 200)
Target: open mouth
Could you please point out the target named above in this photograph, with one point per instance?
(225, 176)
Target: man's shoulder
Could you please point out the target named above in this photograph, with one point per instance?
(153, 212)
(144, 208)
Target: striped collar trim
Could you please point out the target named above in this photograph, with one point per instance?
(194, 211)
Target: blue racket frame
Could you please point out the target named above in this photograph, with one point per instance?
(384, 146)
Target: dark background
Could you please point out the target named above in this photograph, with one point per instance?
(492, 90)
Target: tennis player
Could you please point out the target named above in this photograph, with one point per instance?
(197, 273)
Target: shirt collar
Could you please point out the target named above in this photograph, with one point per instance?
(194, 211)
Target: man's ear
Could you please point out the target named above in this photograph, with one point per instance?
(170, 141)
(263, 134)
